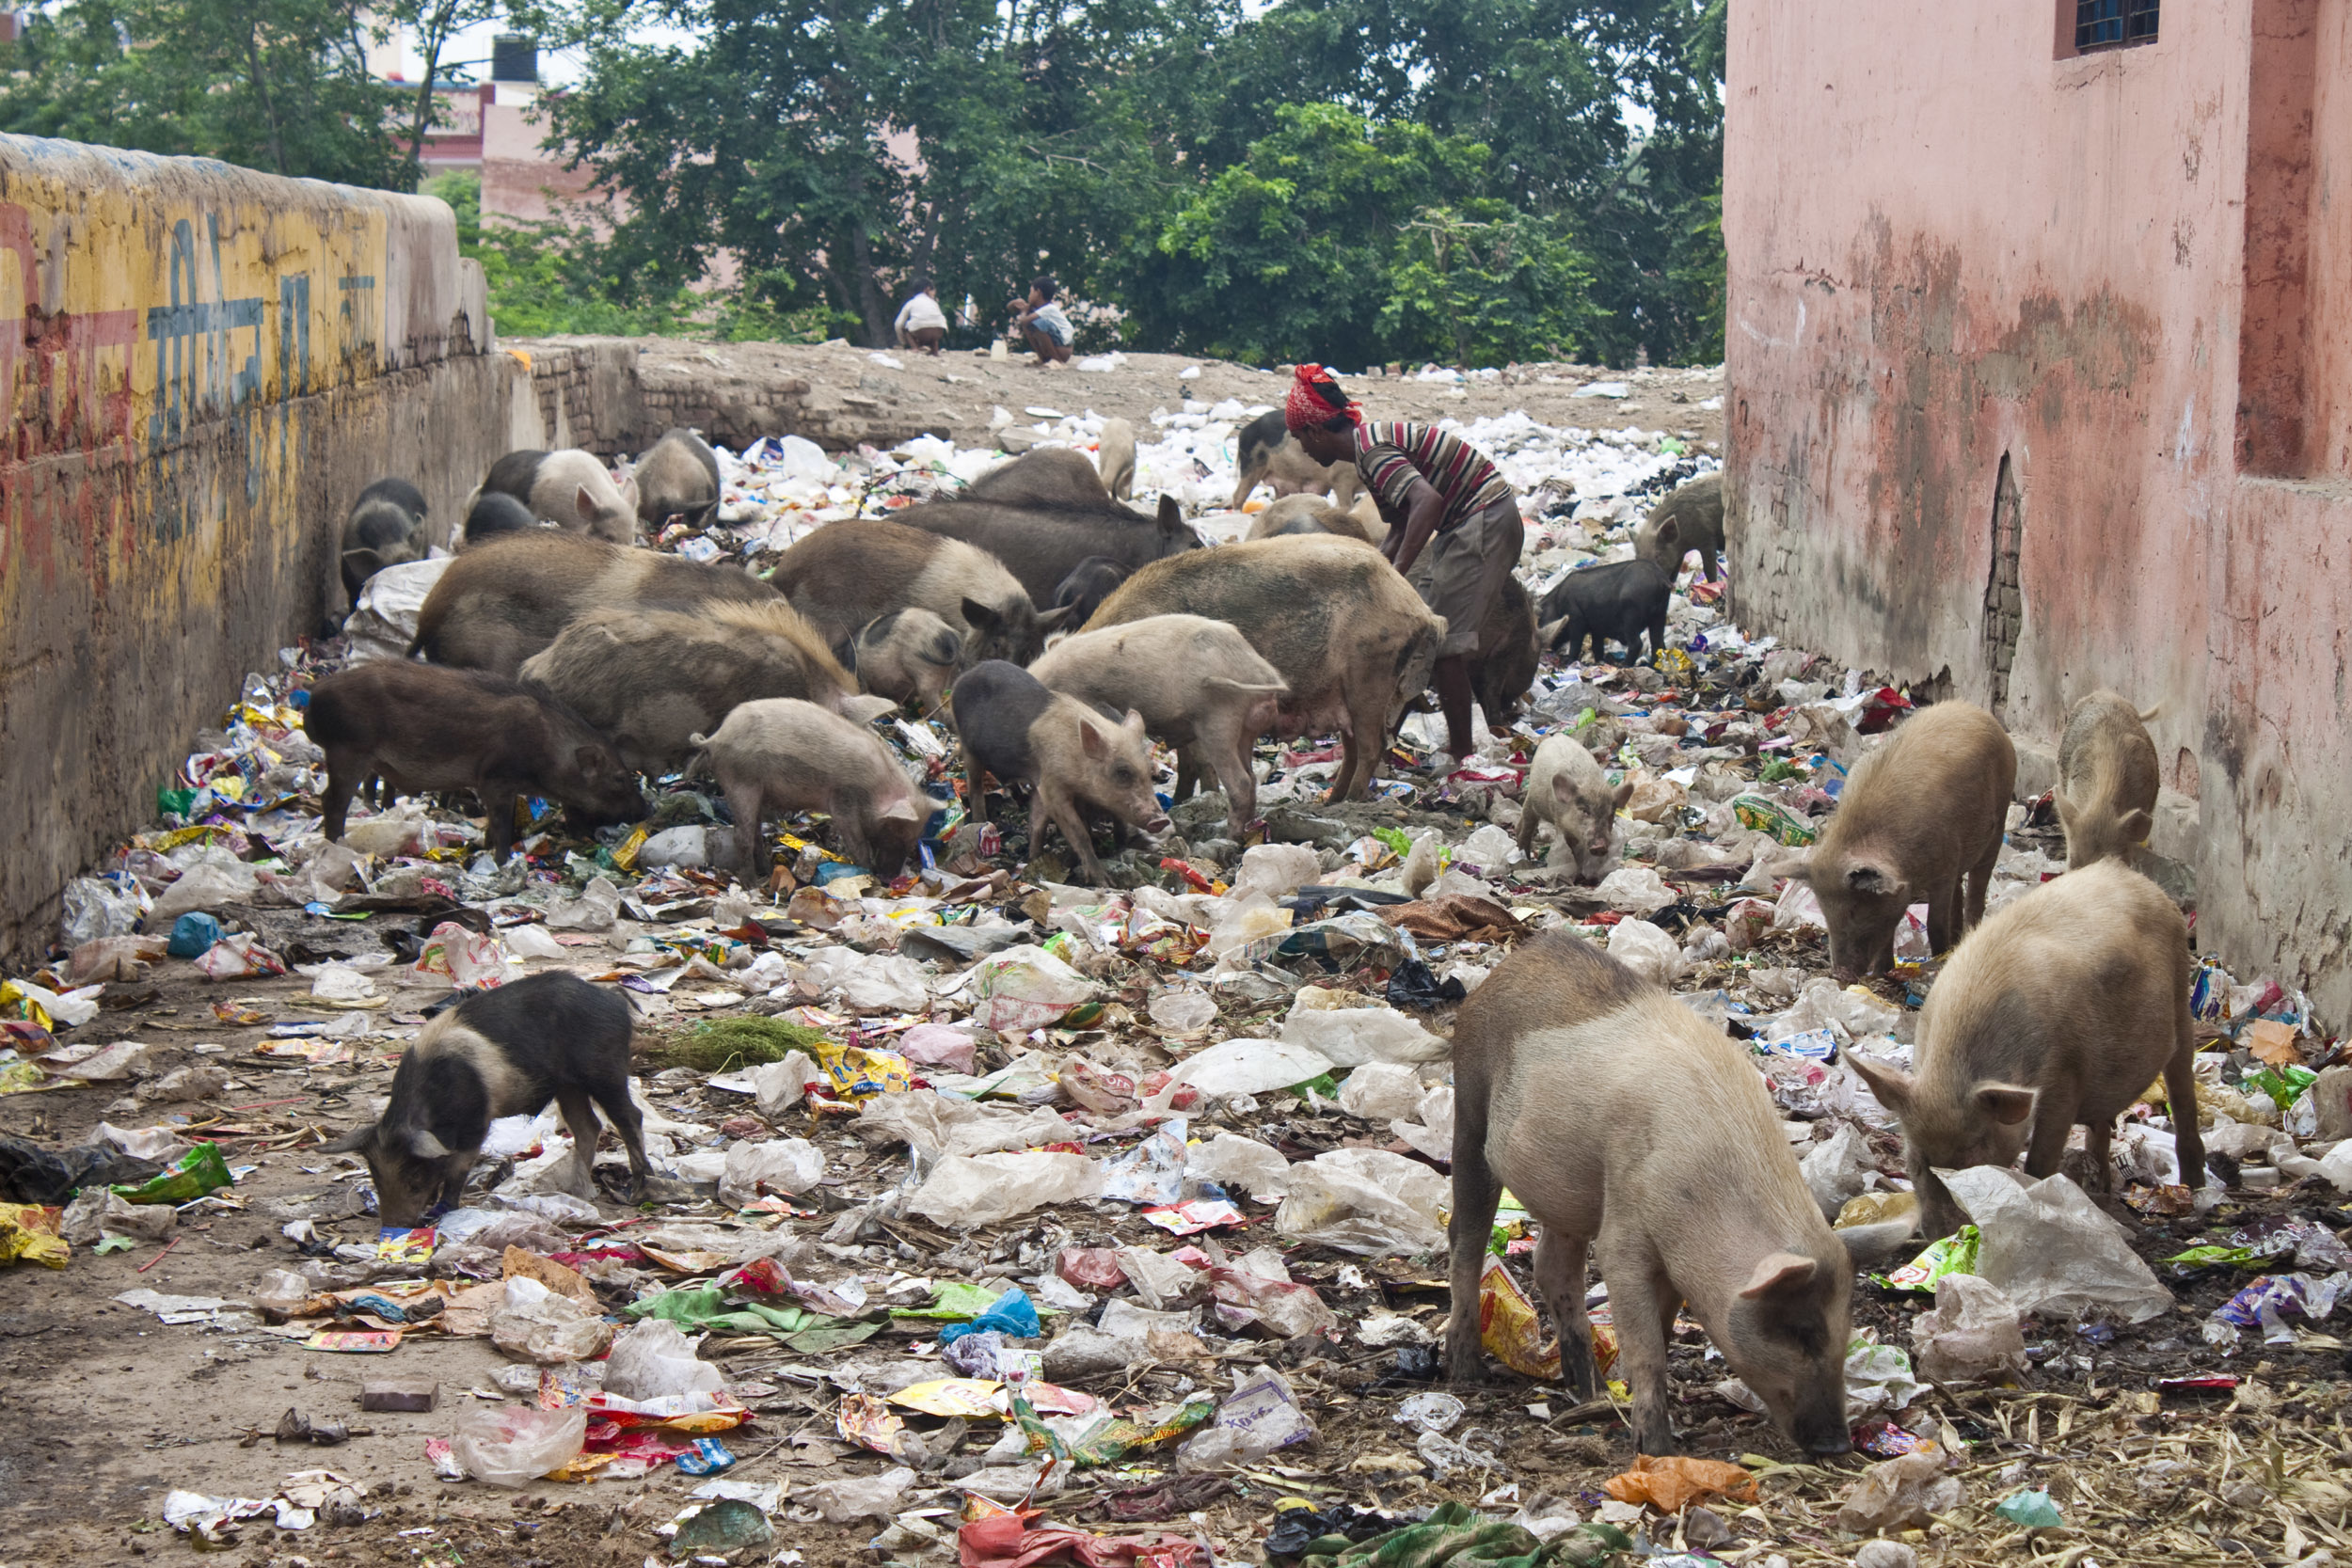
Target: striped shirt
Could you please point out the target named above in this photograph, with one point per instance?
(1389, 454)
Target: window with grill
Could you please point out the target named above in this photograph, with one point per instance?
(2114, 23)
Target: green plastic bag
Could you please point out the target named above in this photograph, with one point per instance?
(2033, 1509)
(191, 1176)
(951, 1299)
(1456, 1534)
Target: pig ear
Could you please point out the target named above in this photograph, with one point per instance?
(1549, 633)
(1866, 877)
(1048, 620)
(1133, 722)
(1798, 868)
(980, 617)
(865, 710)
(370, 562)
(359, 1139)
(899, 811)
(2007, 1103)
(2138, 824)
(1562, 788)
(1891, 1085)
(1171, 515)
(1781, 1271)
(1091, 738)
(424, 1145)
(1668, 532)
(585, 503)
(628, 493)
(1625, 793)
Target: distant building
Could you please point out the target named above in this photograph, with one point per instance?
(495, 129)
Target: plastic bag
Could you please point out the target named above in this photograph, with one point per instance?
(885, 983)
(845, 1502)
(193, 935)
(2052, 1250)
(781, 1085)
(208, 887)
(1799, 909)
(233, 957)
(199, 1171)
(1257, 1289)
(1262, 1413)
(1432, 1132)
(783, 1166)
(595, 909)
(1646, 950)
(512, 1444)
(1381, 1091)
(1508, 1327)
(1971, 1332)
(1637, 889)
(1151, 1173)
(1277, 870)
(1901, 1494)
(1011, 1315)
(472, 960)
(1241, 1067)
(1351, 1036)
(537, 1324)
(1366, 1201)
(1184, 1011)
(532, 942)
(96, 908)
(937, 1045)
(652, 1360)
(679, 848)
(1022, 989)
(1671, 1482)
(1230, 1160)
(964, 1191)
(1837, 1168)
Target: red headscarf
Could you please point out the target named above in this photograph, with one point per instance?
(1315, 400)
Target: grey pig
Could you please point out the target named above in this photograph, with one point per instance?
(783, 754)
(501, 1053)
(1012, 727)
(1616, 1114)
(2057, 1010)
(1266, 453)
(677, 481)
(2106, 787)
(1089, 582)
(907, 655)
(846, 574)
(1924, 811)
(386, 528)
(1690, 519)
(572, 489)
(492, 513)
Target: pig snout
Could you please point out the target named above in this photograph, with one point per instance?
(1823, 1433)
(1158, 823)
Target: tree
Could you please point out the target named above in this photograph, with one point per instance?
(434, 23)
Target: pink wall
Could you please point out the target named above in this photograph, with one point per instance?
(1949, 246)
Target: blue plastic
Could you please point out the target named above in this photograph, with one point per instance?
(828, 871)
(1012, 1315)
(193, 935)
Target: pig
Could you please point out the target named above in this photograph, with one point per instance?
(677, 481)
(1198, 684)
(1921, 813)
(1309, 514)
(781, 754)
(1617, 603)
(1115, 458)
(501, 1053)
(1691, 519)
(2106, 789)
(424, 727)
(1348, 635)
(1266, 452)
(1058, 478)
(572, 489)
(907, 655)
(1013, 728)
(1567, 788)
(1041, 544)
(1509, 653)
(503, 601)
(649, 678)
(2057, 1011)
(1617, 1115)
(384, 528)
(492, 513)
(845, 575)
(1088, 585)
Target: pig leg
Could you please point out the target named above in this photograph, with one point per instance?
(1367, 723)
(579, 1120)
(453, 1173)
(2098, 1139)
(1188, 772)
(2180, 1089)
(344, 775)
(1657, 638)
(1049, 804)
(746, 800)
(1637, 1288)
(2052, 1120)
(1476, 1195)
(1530, 824)
(1979, 881)
(1228, 756)
(622, 1113)
(976, 779)
(498, 802)
(1560, 1276)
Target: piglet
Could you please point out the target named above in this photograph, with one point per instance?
(1617, 1115)
(1012, 727)
(503, 1052)
(784, 754)
(422, 726)
(1567, 788)
(1620, 602)
(1920, 814)
(906, 654)
(2057, 1010)
(2106, 786)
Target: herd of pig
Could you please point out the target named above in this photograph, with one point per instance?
(564, 660)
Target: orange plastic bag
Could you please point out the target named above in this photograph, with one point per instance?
(1672, 1484)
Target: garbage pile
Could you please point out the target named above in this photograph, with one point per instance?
(1005, 1220)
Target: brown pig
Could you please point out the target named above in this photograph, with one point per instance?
(1924, 811)
(1567, 788)
(423, 727)
(907, 655)
(1618, 1115)
(846, 574)
(1197, 683)
(2106, 789)
(2057, 1011)
(783, 754)
(650, 678)
(1690, 519)
(1342, 629)
(1012, 727)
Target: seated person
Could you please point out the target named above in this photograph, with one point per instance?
(1041, 323)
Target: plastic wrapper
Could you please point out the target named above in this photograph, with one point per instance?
(1673, 1482)
(1022, 989)
(964, 1191)
(536, 1323)
(469, 959)
(845, 1502)
(2052, 1250)
(1184, 1011)
(2270, 1299)
(1241, 1067)
(1949, 1254)
(1509, 1327)
(782, 1165)
(1151, 1173)
(236, 957)
(1971, 1332)
(1090, 1268)
(512, 1444)
(1352, 1036)
(1257, 1291)
(28, 1234)
(199, 1171)
(595, 909)
(96, 908)
(1878, 1378)
(2032, 1509)
(1637, 889)
(1903, 1493)
(1763, 814)
(1646, 950)
(1261, 1415)
(1381, 1091)
(1365, 1201)
(651, 1359)
(1837, 1168)
(1232, 1161)
(937, 1045)
(1160, 1280)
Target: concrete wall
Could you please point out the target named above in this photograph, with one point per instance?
(2039, 370)
(203, 366)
